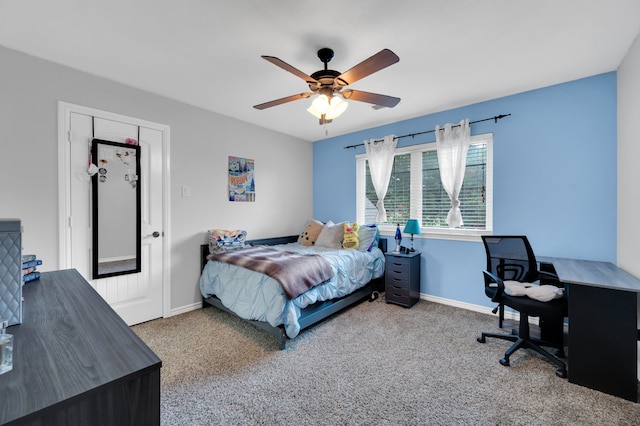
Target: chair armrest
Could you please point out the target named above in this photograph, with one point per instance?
(492, 280)
(549, 278)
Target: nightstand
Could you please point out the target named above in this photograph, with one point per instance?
(402, 278)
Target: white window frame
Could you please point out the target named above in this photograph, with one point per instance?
(416, 193)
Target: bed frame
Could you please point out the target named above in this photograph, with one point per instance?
(310, 315)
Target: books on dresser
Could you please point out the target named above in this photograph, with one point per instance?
(30, 262)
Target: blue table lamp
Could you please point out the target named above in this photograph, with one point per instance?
(412, 227)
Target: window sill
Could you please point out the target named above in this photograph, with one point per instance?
(444, 234)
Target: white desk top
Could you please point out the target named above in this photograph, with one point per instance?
(592, 273)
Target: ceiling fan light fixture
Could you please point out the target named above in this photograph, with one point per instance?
(336, 107)
(329, 108)
(319, 106)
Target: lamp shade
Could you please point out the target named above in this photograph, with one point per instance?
(319, 106)
(330, 108)
(412, 227)
(336, 107)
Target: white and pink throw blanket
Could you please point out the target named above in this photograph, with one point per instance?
(295, 272)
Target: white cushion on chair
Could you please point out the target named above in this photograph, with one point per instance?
(543, 293)
(516, 288)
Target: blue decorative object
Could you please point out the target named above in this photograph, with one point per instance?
(398, 239)
(412, 227)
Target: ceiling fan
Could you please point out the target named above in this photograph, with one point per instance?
(329, 83)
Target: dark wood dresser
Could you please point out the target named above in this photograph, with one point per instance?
(76, 362)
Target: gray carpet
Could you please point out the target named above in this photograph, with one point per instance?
(374, 364)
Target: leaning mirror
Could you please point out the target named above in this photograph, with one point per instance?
(116, 208)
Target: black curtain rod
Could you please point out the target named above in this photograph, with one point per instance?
(494, 118)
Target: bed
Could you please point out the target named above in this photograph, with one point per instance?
(296, 314)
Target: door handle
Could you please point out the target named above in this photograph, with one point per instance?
(156, 234)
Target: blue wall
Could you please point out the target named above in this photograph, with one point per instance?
(555, 179)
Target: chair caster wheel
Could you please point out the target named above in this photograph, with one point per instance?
(562, 373)
(481, 339)
(505, 362)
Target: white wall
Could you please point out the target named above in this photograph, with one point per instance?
(628, 161)
(201, 141)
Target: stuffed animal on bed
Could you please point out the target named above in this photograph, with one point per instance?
(221, 240)
(350, 240)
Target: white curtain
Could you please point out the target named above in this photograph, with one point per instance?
(452, 143)
(380, 157)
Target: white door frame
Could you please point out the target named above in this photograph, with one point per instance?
(64, 188)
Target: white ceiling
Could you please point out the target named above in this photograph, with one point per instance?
(207, 52)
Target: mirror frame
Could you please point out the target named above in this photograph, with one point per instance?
(96, 213)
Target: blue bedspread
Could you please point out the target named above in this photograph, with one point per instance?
(255, 296)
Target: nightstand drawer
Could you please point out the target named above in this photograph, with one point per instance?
(398, 259)
(398, 290)
(395, 269)
(399, 296)
(397, 281)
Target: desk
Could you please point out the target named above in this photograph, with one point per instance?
(75, 362)
(603, 327)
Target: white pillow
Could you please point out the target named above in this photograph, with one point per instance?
(367, 236)
(331, 236)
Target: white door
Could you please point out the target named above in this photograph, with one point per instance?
(135, 297)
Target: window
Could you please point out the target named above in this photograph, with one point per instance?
(415, 191)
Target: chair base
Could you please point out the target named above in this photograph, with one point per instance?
(521, 343)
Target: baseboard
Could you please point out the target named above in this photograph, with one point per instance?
(450, 302)
(185, 309)
(471, 307)
(435, 299)
(510, 315)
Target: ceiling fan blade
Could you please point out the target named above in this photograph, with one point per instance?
(375, 63)
(283, 100)
(285, 66)
(371, 98)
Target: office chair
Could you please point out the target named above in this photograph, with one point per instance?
(511, 258)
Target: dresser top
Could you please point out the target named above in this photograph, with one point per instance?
(70, 342)
(410, 254)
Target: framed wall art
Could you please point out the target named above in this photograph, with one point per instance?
(241, 179)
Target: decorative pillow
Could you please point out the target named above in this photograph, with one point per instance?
(367, 235)
(331, 236)
(310, 233)
(222, 240)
